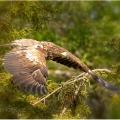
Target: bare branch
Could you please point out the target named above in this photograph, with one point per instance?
(101, 70)
(47, 95)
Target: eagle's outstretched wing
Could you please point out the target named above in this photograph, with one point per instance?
(28, 67)
(27, 63)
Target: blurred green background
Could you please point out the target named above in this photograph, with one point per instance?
(88, 29)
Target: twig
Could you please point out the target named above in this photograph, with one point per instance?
(47, 96)
(101, 70)
(75, 95)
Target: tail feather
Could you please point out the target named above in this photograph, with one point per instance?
(6, 45)
(14, 44)
(10, 44)
(103, 82)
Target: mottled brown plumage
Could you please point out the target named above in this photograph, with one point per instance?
(27, 63)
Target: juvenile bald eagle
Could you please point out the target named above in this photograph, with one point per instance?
(27, 63)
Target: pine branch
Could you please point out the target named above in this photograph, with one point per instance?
(78, 88)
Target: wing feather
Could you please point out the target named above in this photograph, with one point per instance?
(23, 84)
(34, 88)
(12, 63)
(66, 62)
(39, 90)
(29, 86)
(21, 78)
(28, 67)
(62, 56)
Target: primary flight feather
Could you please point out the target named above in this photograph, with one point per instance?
(27, 63)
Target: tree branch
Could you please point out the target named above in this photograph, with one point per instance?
(48, 95)
(101, 70)
(78, 88)
(82, 76)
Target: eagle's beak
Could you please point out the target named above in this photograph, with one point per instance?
(65, 55)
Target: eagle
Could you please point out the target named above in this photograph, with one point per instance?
(27, 64)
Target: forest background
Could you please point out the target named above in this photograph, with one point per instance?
(88, 29)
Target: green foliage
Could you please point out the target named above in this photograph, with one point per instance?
(115, 106)
(19, 34)
(116, 72)
(76, 107)
(113, 43)
(20, 17)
